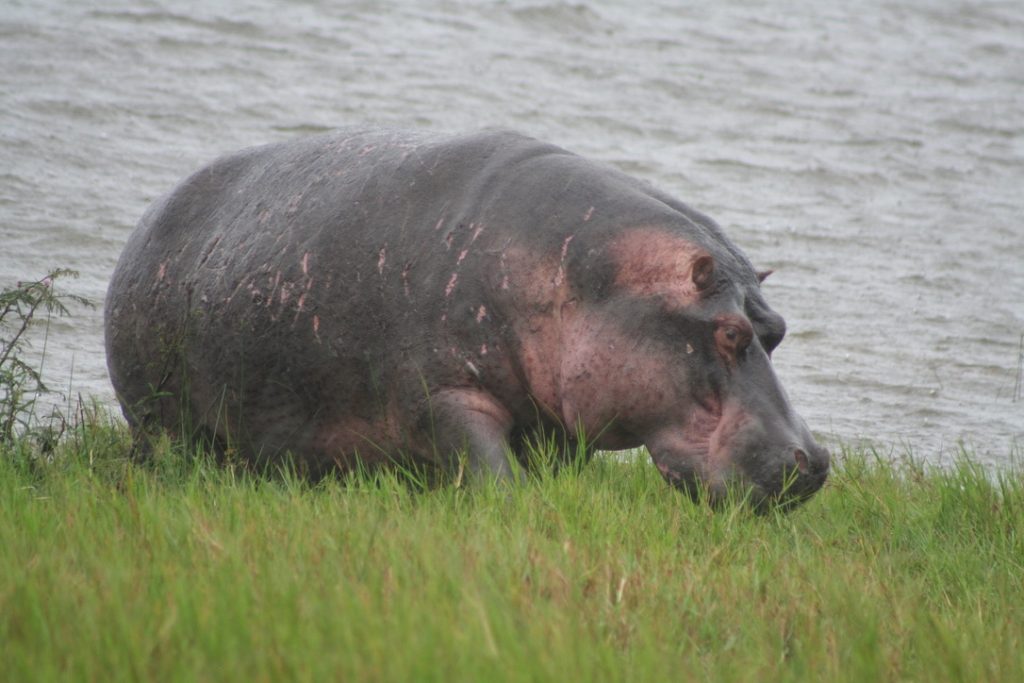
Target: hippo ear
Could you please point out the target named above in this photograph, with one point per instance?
(703, 271)
(762, 275)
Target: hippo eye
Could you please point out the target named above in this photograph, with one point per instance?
(736, 338)
(733, 335)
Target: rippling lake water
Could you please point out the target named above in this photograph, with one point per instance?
(871, 153)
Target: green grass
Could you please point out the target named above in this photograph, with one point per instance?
(182, 570)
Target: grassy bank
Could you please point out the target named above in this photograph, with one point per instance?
(185, 571)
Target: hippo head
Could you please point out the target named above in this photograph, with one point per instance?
(670, 346)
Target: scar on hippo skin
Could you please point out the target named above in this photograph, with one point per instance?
(560, 274)
(653, 262)
(405, 278)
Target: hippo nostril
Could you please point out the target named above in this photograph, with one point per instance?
(801, 461)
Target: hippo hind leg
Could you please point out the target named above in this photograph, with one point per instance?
(474, 423)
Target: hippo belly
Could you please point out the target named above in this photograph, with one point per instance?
(370, 297)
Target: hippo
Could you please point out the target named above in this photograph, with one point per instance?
(369, 298)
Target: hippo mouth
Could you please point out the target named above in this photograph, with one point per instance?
(720, 456)
(687, 459)
(790, 491)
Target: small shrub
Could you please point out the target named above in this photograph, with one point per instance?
(22, 307)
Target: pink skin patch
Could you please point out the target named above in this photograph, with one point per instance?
(476, 233)
(483, 349)
(481, 313)
(162, 272)
(588, 214)
(607, 383)
(537, 304)
(652, 262)
(462, 255)
(305, 263)
(381, 258)
(451, 285)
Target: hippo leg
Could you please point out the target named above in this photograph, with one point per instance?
(473, 422)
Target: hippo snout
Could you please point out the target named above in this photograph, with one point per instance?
(807, 474)
(812, 461)
(782, 476)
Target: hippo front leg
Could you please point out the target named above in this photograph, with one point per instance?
(473, 422)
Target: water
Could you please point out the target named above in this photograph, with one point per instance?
(871, 153)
